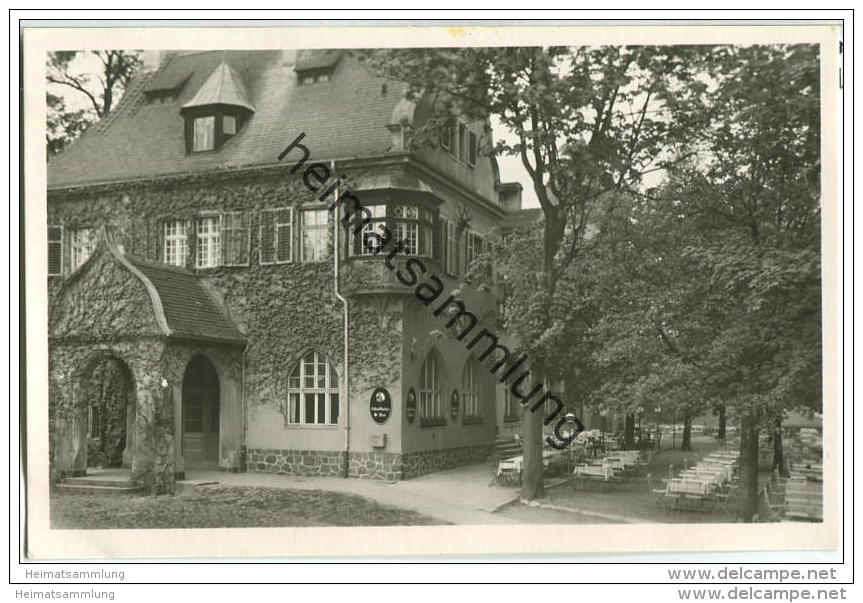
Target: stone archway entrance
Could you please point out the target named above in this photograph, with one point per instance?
(108, 407)
(201, 409)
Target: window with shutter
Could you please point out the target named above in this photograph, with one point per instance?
(471, 149)
(55, 250)
(235, 239)
(276, 235)
(451, 248)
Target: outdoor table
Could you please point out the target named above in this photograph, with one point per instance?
(687, 489)
(803, 499)
(605, 472)
(516, 462)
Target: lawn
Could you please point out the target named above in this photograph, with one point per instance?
(217, 506)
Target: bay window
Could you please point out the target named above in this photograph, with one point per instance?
(410, 225)
(372, 235)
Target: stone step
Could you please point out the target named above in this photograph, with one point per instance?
(128, 488)
(117, 481)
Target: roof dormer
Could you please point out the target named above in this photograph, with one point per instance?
(218, 110)
(316, 66)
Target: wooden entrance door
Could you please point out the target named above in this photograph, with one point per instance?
(200, 414)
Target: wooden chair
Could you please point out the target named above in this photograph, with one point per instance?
(770, 511)
(723, 498)
(504, 448)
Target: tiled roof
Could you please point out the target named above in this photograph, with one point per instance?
(190, 311)
(522, 219)
(223, 87)
(343, 118)
(309, 60)
(166, 79)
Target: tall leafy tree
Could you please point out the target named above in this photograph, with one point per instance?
(99, 89)
(584, 121)
(757, 194)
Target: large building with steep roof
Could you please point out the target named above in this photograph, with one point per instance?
(196, 260)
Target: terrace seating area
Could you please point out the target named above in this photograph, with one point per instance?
(594, 458)
(798, 497)
(708, 485)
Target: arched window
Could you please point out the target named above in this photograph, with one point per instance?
(470, 389)
(313, 392)
(430, 403)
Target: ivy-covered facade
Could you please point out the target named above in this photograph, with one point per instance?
(204, 300)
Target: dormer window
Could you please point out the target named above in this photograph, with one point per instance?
(316, 66)
(204, 134)
(217, 112)
(313, 78)
(165, 86)
(229, 125)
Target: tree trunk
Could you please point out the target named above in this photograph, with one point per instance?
(532, 473)
(686, 444)
(532, 468)
(778, 453)
(749, 468)
(720, 434)
(629, 432)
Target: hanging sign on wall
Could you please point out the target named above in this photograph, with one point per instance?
(411, 405)
(380, 405)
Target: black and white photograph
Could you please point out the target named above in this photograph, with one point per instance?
(570, 283)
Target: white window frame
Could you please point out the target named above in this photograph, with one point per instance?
(201, 119)
(82, 243)
(470, 391)
(379, 218)
(59, 243)
(430, 398)
(229, 119)
(214, 237)
(298, 389)
(277, 228)
(319, 229)
(472, 248)
(180, 237)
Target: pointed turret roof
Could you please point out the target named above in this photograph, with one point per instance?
(223, 87)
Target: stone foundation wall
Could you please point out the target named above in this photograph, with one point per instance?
(376, 465)
(428, 461)
(296, 462)
(387, 466)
